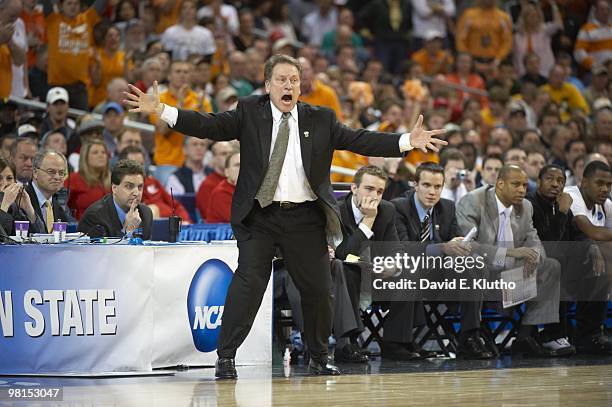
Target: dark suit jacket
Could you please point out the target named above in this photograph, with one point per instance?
(8, 218)
(444, 221)
(101, 219)
(320, 134)
(383, 228)
(58, 211)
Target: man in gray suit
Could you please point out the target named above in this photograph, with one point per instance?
(507, 239)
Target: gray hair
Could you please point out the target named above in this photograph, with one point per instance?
(42, 154)
(21, 140)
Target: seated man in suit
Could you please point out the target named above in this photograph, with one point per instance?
(368, 218)
(153, 193)
(506, 235)
(120, 213)
(49, 172)
(423, 216)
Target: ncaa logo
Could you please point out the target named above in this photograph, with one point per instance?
(205, 303)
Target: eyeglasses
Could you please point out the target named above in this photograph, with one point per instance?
(52, 173)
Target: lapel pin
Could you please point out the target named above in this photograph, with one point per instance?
(306, 134)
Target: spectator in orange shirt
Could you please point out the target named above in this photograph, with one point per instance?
(465, 75)
(432, 58)
(220, 204)
(167, 13)
(316, 93)
(485, 32)
(8, 49)
(70, 36)
(153, 194)
(109, 62)
(594, 42)
(221, 150)
(169, 153)
(36, 28)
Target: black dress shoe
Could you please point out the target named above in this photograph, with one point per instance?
(423, 353)
(530, 347)
(489, 343)
(472, 348)
(594, 345)
(350, 354)
(322, 368)
(398, 351)
(225, 368)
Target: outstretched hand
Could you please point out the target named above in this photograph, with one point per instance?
(141, 102)
(424, 139)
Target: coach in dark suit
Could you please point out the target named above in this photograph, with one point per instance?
(283, 196)
(424, 217)
(120, 212)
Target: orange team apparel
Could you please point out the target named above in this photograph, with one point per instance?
(169, 147)
(111, 66)
(6, 71)
(70, 42)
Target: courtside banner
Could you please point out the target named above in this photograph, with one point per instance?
(75, 309)
(189, 302)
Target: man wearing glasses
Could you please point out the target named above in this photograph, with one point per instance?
(47, 179)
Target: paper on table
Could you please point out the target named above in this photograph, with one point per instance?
(526, 288)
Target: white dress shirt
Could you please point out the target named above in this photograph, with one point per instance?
(358, 215)
(293, 184)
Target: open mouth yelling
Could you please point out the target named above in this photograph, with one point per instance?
(286, 100)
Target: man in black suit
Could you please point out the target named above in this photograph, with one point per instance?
(424, 217)
(366, 218)
(283, 196)
(120, 213)
(49, 172)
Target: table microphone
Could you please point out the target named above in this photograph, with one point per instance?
(174, 222)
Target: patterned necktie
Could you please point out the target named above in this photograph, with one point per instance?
(265, 195)
(49, 216)
(426, 228)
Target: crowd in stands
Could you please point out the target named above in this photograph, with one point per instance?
(517, 79)
(523, 82)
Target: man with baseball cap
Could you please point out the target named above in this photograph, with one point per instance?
(57, 111)
(113, 116)
(27, 130)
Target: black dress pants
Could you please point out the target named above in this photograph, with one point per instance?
(299, 232)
